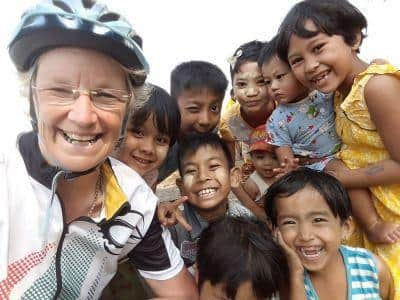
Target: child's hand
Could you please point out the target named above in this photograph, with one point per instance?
(295, 266)
(287, 166)
(169, 214)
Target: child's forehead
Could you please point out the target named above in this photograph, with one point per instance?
(199, 95)
(249, 69)
(205, 153)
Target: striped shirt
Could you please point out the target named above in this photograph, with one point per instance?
(361, 274)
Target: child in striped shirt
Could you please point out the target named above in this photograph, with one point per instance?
(310, 212)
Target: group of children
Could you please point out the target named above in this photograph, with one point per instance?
(311, 119)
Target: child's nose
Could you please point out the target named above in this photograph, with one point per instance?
(204, 118)
(305, 232)
(147, 145)
(311, 64)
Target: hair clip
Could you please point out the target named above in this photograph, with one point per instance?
(232, 60)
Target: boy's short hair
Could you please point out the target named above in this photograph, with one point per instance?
(191, 143)
(196, 76)
(268, 51)
(164, 109)
(326, 185)
(248, 52)
(234, 250)
(333, 17)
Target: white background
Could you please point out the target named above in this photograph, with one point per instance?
(176, 30)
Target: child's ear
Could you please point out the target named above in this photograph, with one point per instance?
(235, 177)
(357, 42)
(347, 228)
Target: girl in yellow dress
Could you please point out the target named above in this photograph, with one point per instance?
(321, 40)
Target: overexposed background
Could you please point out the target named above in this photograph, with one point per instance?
(174, 31)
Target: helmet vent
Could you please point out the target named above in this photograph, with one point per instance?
(88, 3)
(109, 17)
(62, 5)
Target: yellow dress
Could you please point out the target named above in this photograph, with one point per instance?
(362, 146)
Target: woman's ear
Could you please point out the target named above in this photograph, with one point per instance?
(235, 177)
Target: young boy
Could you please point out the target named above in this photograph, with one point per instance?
(238, 259)
(264, 160)
(199, 89)
(207, 175)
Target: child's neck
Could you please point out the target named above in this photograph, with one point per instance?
(331, 283)
(358, 66)
(260, 117)
(214, 214)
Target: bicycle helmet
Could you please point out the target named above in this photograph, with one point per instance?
(80, 23)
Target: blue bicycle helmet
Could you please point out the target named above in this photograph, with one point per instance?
(80, 23)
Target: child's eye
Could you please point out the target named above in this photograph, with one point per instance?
(267, 81)
(241, 85)
(288, 222)
(138, 132)
(189, 171)
(280, 76)
(215, 108)
(192, 109)
(162, 140)
(295, 61)
(318, 48)
(214, 166)
(261, 82)
(319, 220)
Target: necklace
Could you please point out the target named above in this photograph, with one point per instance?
(97, 190)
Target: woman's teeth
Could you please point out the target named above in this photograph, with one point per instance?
(74, 138)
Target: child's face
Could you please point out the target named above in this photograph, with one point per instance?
(206, 177)
(249, 88)
(322, 62)
(281, 83)
(309, 227)
(217, 291)
(145, 148)
(264, 163)
(200, 111)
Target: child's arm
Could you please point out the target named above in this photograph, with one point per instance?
(287, 160)
(386, 284)
(296, 270)
(247, 193)
(382, 97)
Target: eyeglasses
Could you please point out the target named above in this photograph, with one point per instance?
(64, 95)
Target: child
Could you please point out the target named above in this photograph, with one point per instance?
(304, 125)
(310, 212)
(207, 175)
(321, 41)
(253, 106)
(264, 160)
(152, 128)
(199, 89)
(238, 259)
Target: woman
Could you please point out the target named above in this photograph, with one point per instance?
(68, 213)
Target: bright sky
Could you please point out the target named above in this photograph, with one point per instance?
(175, 31)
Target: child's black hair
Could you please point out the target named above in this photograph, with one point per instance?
(164, 110)
(248, 52)
(333, 17)
(235, 250)
(268, 51)
(326, 185)
(196, 76)
(191, 143)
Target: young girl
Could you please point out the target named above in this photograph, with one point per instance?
(310, 213)
(152, 128)
(252, 105)
(321, 40)
(264, 160)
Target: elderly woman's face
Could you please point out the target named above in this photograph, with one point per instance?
(78, 134)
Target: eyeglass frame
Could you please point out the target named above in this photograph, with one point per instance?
(91, 93)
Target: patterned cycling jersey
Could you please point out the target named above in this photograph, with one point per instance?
(43, 257)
